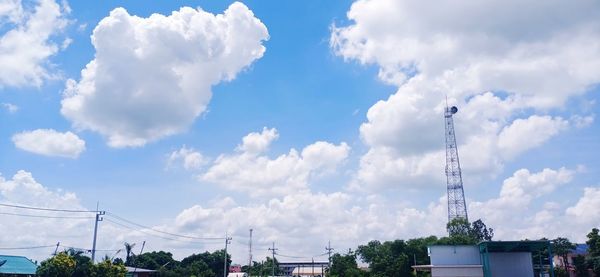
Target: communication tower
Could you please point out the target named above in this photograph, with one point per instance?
(456, 195)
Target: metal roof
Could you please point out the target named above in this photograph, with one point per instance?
(133, 269)
(17, 265)
(580, 249)
(514, 246)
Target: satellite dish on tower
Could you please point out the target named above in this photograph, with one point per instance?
(454, 109)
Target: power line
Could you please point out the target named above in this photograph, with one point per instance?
(46, 209)
(155, 235)
(89, 250)
(47, 216)
(27, 247)
(159, 231)
(297, 257)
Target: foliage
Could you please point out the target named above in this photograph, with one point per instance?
(344, 266)
(580, 266)
(154, 260)
(263, 268)
(480, 232)
(61, 265)
(562, 247)
(83, 264)
(128, 252)
(594, 243)
(106, 268)
(202, 264)
(463, 232)
(560, 272)
(386, 259)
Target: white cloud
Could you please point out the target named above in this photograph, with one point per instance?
(586, 209)
(11, 108)
(256, 143)
(152, 77)
(302, 223)
(20, 231)
(188, 157)
(504, 78)
(49, 142)
(513, 214)
(249, 170)
(528, 133)
(26, 41)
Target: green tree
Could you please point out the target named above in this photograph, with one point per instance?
(61, 265)
(269, 265)
(462, 232)
(155, 260)
(593, 243)
(386, 259)
(458, 227)
(344, 266)
(128, 253)
(106, 268)
(480, 232)
(83, 264)
(581, 268)
(562, 247)
(213, 261)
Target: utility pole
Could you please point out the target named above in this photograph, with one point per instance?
(99, 218)
(329, 249)
(273, 257)
(141, 251)
(250, 252)
(227, 241)
(56, 250)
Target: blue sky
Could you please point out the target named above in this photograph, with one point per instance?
(350, 96)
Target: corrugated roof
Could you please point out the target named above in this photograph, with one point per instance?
(580, 249)
(133, 269)
(17, 265)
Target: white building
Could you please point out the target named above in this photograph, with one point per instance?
(489, 259)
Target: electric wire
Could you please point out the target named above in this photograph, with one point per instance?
(151, 234)
(27, 247)
(47, 216)
(298, 257)
(159, 231)
(46, 209)
(66, 247)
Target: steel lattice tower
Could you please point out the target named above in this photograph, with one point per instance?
(456, 195)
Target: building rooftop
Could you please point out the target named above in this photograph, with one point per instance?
(580, 249)
(17, 265)
(513, 246)
(133, 269)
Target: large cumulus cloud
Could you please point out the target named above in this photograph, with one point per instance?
(508, 65)
(151, 77)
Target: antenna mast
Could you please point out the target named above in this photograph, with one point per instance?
(456, 195)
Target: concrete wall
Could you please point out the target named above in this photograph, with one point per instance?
(454, 255)
(457, 272)
(513, 264)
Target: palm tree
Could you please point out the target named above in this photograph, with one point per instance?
(129, 253)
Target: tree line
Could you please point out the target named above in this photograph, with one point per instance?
(384, 259)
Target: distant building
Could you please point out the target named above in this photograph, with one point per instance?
(234, 268)
(17, 266)
(488, 259)
(237, 274)
(303, 268)
(139, 272)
